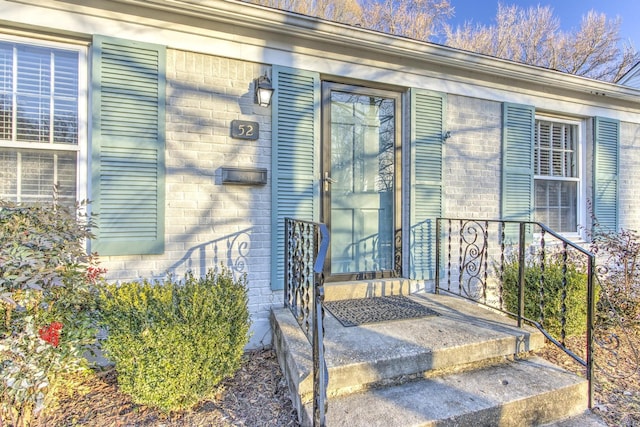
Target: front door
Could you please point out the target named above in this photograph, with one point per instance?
(361, 177)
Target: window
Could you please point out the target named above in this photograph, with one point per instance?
(557, 174)
(39, 121)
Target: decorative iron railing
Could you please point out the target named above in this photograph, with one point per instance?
(306, 245)
(526, 270)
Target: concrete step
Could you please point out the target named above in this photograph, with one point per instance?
(586, 419)
(527, 392)
(334, 291)
(462, 337)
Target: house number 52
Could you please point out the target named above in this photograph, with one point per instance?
(242, 129)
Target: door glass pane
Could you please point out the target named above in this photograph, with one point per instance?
(361, 196)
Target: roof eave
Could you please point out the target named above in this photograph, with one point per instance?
(296, 25)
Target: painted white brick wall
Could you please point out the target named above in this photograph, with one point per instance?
(472, 158)
(473, 162)
(204, 217)
(629, 185)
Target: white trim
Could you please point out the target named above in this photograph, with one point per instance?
(41, 42)
(581, 211)
(39, 146)
(82, 190)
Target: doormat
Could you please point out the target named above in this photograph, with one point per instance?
(354, 312)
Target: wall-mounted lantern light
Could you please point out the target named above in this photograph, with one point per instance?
(263, 91)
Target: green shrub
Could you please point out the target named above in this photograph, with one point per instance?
(576, 293)
(173, 342)
(47, 303)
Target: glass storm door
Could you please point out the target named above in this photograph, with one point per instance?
(360, 180)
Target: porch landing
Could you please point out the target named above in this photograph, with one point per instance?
(467, 366)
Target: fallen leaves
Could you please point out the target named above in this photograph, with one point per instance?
(256, 395)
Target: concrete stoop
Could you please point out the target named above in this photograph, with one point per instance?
(525, 392)
(466, 367)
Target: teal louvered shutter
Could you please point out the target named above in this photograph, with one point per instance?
(295, 156)
(428, 112)
(518, 127)
(606, 172)
(127, 146)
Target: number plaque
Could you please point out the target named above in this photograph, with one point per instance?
(242, 129)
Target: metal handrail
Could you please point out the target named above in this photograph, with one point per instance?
(320, 370)
(473, 234)
(306, 246)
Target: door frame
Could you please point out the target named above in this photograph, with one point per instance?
(325, 164)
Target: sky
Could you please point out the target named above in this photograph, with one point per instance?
(569, 12)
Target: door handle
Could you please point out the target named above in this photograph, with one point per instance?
(328, 180)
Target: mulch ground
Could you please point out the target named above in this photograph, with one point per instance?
(617, 375)
(257, 395)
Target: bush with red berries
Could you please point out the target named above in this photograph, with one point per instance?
(47, 304)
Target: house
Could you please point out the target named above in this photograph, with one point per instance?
(147, 108)
(632, 77)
